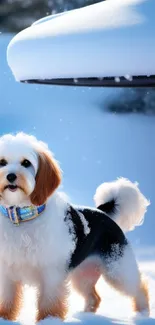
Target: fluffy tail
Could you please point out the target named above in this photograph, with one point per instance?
(123, 202)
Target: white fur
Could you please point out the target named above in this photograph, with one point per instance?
(131, 204)
(40, 247)
(37, 248)
(37, 243)
(124, 270)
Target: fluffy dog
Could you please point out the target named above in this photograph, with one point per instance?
(46, 241)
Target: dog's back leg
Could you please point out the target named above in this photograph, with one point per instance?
(84, 279)
(122, 273)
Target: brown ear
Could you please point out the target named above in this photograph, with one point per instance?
(48, 179)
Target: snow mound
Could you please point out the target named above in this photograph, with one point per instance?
(117, 35)
(91, 319)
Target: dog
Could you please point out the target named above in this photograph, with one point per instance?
(47, 242)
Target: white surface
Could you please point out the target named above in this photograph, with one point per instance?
(111, 38)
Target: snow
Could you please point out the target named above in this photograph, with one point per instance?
(111, 38)
(85, 224)
(92, 146)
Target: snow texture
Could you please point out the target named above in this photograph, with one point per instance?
(117, 35)
(85, 224)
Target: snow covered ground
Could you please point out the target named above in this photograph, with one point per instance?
(92, 147)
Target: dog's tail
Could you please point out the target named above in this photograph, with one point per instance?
(123, 202)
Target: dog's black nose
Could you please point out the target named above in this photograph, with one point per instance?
(11, 177)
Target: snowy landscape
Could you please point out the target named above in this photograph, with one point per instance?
(92, 146)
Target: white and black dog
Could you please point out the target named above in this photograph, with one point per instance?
(46, 242)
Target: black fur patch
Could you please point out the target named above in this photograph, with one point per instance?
(104, 235)
(108, 207)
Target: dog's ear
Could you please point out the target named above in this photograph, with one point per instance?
(48, 179)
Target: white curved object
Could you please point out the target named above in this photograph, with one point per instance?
(113, 38)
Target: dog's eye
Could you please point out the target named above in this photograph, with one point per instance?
(3, 162)
(26, 163)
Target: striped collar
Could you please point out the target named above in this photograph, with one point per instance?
(18, 215)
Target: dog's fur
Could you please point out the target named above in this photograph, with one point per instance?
(65, 243)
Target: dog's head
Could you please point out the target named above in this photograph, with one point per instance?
(28, 172)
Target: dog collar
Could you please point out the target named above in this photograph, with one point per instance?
(18, 215)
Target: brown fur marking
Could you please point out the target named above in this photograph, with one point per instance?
(10, 309)
(141, 302)
(48, 178)
(92, 301)
(58, 309)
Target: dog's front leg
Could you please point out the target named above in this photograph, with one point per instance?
(11, 295)
(52, 298)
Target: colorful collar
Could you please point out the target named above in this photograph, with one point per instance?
(17, 215)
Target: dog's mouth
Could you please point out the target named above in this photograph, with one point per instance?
(12, 188)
